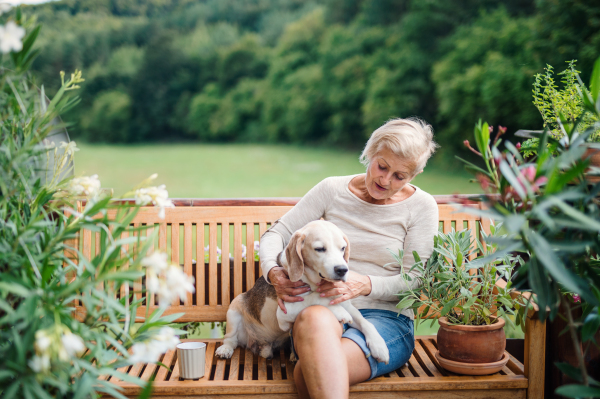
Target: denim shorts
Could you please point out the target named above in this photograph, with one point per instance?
(396, 330)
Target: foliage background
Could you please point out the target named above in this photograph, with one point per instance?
(310, 72)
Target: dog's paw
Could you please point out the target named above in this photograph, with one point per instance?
(346, 319)
(293, 357)
(284, 325)
(379, 349)
(266, 352)
(224, 351)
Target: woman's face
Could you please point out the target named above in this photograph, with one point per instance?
(387, 175)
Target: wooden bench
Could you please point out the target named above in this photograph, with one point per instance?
(183, 234)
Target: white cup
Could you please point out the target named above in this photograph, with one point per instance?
(191, 358)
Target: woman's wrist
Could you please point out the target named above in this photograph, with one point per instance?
(367, 286)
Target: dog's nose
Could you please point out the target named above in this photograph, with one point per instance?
(340, 270)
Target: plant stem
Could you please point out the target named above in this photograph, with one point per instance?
(575, 339)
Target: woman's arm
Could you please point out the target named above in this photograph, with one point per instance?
(419, 238)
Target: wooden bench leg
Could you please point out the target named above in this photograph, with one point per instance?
(535, 357)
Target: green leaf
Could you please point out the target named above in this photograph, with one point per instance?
(448, 307)
(147, 391)
(571, 371)
(578, 391)
(405, 303)
(590, 326)
(512, 179)
(595, 81)
(15, 288)
(546, 255)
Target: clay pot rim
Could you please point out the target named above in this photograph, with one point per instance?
(501, 362)
(499, 324)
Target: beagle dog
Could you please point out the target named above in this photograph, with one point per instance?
(318, 251)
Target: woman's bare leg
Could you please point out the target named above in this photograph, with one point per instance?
(323, 369)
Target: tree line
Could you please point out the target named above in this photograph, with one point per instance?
(315, 71)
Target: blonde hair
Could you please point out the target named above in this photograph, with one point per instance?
(410, 139)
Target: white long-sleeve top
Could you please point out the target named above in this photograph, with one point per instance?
(373, 231)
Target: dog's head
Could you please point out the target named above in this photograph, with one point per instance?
(319, 250)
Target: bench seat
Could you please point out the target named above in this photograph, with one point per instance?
(231, 224)
(245, 374)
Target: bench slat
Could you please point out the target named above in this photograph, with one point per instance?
(250, 279)
(276, 366)
(262, 368)
(200, 276)
(220, 369)
(225, 286)
(175, 253)
(248, 365)
(212, 264)
(234, 367)
(161, 376)
(425, 361)
(237, 259)
(417, 370)
(187, 256)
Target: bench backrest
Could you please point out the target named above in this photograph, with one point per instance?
(187, 229)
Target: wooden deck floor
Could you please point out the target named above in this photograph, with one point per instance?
(245, 374)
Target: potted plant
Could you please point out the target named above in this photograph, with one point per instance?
(460, 288)
(553, 214)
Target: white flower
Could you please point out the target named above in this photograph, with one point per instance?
(4, 7)
(144, 352)
(168, 282)
(42, 342)
(157, 262)
(256, 246)
(178, 282)
(70, 148)
(150, 351)
(49, 145)
(72, 343)
(243, 252)
(84, 186)
(39, 364)
(10, 37)
(166, 339)
(158, 196)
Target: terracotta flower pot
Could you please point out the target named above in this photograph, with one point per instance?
(471, 344)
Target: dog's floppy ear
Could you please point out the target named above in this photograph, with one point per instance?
(347, 250)
(293, 254)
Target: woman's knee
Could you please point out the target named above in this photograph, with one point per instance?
(316, 321)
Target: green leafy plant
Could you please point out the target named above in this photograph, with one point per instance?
(463, 290)
(67, 317)
(551, 212)
(561, 105)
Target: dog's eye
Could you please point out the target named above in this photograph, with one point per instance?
(320, 249)
(343, 249)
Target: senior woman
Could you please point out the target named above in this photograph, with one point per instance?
(380, 212)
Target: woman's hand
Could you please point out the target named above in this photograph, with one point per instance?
(286, 289)
(357, 285)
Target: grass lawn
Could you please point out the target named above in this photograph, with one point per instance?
(238, 170)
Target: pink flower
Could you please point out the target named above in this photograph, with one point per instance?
(518, 146)
(501, 129)
(491, 129)
(576, 298)
(484, 181)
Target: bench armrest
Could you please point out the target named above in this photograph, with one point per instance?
(535, 345)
